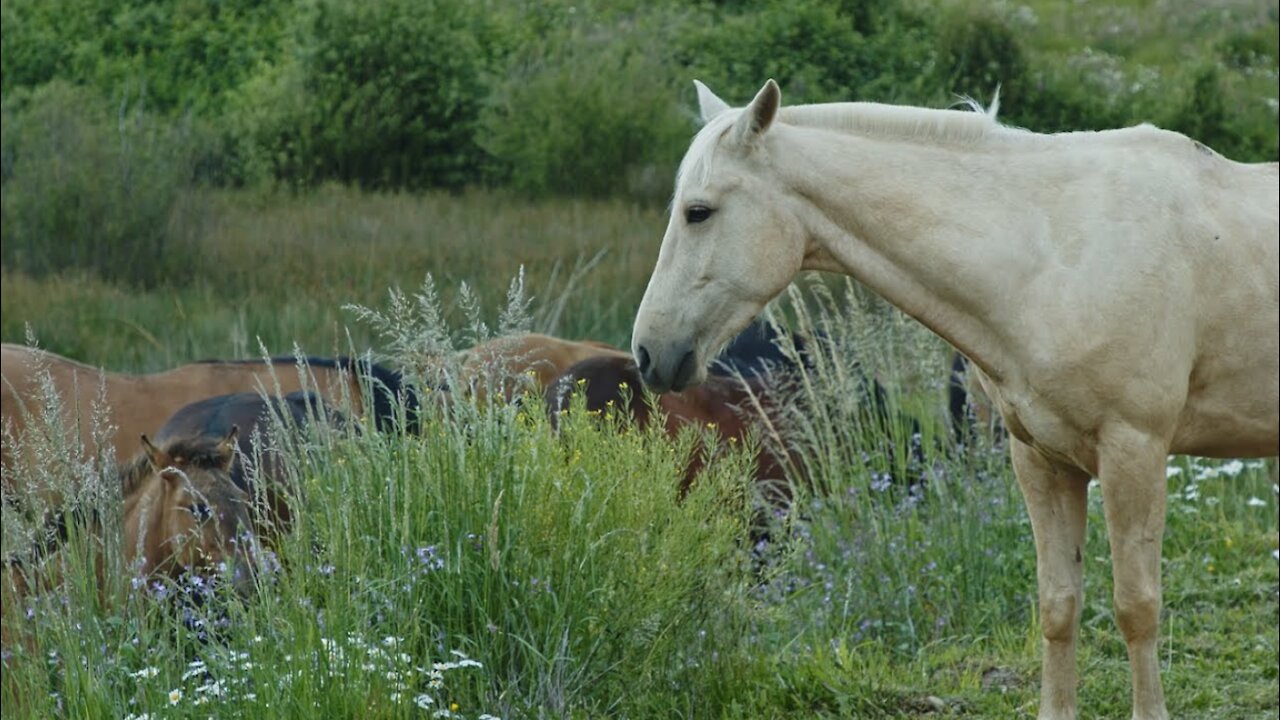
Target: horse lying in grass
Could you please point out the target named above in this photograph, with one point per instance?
(260, 421)
(137, 404)
(1118, 293)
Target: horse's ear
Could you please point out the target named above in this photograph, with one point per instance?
(759, 115)
(228, 447)
(159, 459)
(708, 103)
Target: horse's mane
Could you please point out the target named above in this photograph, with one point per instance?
(954, 127)
(202, 451)
(947, 127)
(389, 387)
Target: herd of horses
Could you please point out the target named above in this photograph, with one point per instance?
(198, 458)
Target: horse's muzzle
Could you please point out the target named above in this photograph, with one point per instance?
(671, 370)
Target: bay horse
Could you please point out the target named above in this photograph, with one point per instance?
(729, 406)
(137, 404)
(258, 420)
(1117, 291)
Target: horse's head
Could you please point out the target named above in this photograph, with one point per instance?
(197, 519)
(733, 243)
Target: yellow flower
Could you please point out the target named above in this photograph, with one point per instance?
(1228, 541)
(453, 707)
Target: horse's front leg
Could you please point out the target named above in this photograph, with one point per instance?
(1132, 469)
(1056, 498)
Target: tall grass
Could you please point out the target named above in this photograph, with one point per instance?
(564, 570)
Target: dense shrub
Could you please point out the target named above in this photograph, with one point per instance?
(183, 55)
(979, 51)
(585, 113)
(816, 50)
(392, 94)
(93, 187)
(592, 97)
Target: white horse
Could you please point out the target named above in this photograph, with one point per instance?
(1118, 291)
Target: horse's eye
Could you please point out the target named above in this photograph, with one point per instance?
(696, 214)
(200, 511)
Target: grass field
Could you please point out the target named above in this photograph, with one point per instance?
(564, 566)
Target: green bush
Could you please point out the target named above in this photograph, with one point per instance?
(587, 114)
(181, 55)
(816, 50)
(395, 91)
(979, 51)
(88, 186)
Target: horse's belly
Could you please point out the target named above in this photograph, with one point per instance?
(1223, 425)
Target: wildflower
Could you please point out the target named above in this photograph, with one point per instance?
(1275, 554)
(175, 696)
(424, 701)
(145, 673)
(390, 641)
(1256, 502)
(453, 707)
(395, 697)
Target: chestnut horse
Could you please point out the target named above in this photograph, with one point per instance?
(137, 404)
(725, 404)
(1118, 292)
(182, 513)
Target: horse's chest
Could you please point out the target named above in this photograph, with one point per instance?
(1030, 418)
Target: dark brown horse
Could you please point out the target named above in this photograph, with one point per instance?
(726, 404)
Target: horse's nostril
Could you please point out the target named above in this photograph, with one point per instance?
(642, 359)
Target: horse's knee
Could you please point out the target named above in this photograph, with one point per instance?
(1058, 613)
(1137, 613)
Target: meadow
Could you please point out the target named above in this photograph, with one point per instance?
(161, 208)
(564, 567)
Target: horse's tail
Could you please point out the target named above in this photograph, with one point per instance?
(390, 392)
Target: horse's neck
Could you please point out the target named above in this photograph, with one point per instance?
(934, 229)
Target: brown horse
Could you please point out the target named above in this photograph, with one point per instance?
(258, 419)
(137, 404)
(510, 366)
(726, 404)
(181, 513)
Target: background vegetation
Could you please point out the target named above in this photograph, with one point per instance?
(198, 179)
